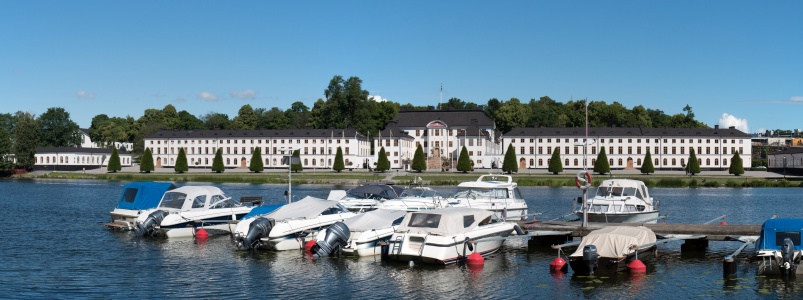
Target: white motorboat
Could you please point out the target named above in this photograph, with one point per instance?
(609, 250)
(285, 228)
(360, 235)
(366, 197)
(496, 193)
(778, 247)
(184, 209)
(620, 201)
(448, 235)
(415, 199)
(136, 198)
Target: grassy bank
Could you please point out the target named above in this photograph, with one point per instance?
(434, 179)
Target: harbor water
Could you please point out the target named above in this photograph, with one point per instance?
(53, 246)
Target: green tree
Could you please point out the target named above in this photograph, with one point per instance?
(555, 165)
(146, 165)
(114, 162)
(601, 165)
(25, 135)
(693, 165)
(297, 167)
(509, 165)
(214, 121)
(512, 114)
(58, 130)
(181, 161)
(246, 118)
(339, 165)
(419, 160)
(217, 163)
(647, 167)
(737, 166)
(464, 162)
(382, 163)
(256, 165)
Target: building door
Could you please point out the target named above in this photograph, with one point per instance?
(629, 163)
(522, 164)
(242, 162)
(158, 162)
(436, 152)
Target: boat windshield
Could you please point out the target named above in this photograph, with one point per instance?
(424, 220)
(418, 192)
(223, 201)
(337, 209)
(173, 200)
(617, 191)
(480, 193)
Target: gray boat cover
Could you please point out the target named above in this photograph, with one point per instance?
(375, 219)
(444, 221)
(307, 208)
(615, 241)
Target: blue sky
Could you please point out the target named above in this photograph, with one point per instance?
(736, 63)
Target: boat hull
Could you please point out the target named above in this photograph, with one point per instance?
(770, 263)
(124, 219)
(214, 221)
(641, 217)
(611, 265)
(444, 250)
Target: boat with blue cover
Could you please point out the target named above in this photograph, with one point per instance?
(778, 248)
(136, 198)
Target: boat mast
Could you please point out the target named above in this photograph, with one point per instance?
(585, 169)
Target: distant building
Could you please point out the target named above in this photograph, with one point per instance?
(789, 161)
(626, 147)
(76, 159)
(87, 142)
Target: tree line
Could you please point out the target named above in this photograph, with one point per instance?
(345, 105)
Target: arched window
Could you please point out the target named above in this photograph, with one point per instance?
(656, 162)
(665, 162)
(683, 161)
(716, 161)
(566, 162)
(674, 162)
(724, 161)
(610, 161)
(532, 162)
(620, 161)
(638, 162)
(707, 161)
(228, 161)
(306, 162)
(313, 161)
(576, 162)
(540, 162)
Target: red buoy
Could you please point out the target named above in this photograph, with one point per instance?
(636, 267)
(557, 265)
(723, 223)
(201, 234)
(663, 222)
(309, 244)
(475, 259)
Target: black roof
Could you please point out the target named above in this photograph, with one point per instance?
(392, 130)
(78, 150)
(790, 150)
(731, 132)
(258, 133)
(460, 118)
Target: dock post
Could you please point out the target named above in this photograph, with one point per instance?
(729, 267)
(694, 245)
(548, 240)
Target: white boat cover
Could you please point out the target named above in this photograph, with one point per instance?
(375, 219)
(444, 221)
(615, 241)
(307, 208)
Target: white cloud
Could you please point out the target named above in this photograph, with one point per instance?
(377, 98)
(85, 95)
(244, 95)
(729, 120)
(796, 99)
(207, 96)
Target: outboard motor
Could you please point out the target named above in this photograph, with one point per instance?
(336, 237)
(149, 225)
(788, 266)
(518, 230)
(258, 229)
(590, 257)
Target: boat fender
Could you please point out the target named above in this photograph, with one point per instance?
(518, 230)
(258, 229)
(336, 237)
(583, 180)
(149, 225)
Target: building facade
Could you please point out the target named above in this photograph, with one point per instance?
(789, 161)
(76, 159)
(626, 147)
(317, 147)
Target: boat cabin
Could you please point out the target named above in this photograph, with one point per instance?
(489, 187)
(196, 197)
(375, 191)
(143, 195)
(445, 222)
(774, 231)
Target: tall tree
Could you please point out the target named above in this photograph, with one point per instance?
(181, 161)
(26, 136)
(693, 165)
(647, 167)
(298, 115)
(512, 114)
(187, 121)
(463, 162)
(419, 160)
(339, 165)
(114, 162)
(6, 162)
(382, 163)
(58, 130)
(601, 165)
(217, 162)
(256, 165)
(297, 167)
(146, 165)
(213, 121)
(509, 165)
(94, 129)
(246, 118)
(737, 166)
(555, 165)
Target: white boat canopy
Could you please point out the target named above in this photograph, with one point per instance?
(615, 241)
(193, 197)
(375, 219)
(307, 208)
(623, 188)
(445, 221)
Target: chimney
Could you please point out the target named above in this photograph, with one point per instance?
(716, 126)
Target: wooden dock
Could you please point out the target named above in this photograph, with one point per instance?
(712, 232)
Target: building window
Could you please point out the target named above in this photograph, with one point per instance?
(566, 162)
(540, 162)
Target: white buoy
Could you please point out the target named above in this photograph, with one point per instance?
(412, 263)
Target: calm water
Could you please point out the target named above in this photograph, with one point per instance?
(52, 245)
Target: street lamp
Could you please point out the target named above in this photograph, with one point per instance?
(290, 160)
(784, 167)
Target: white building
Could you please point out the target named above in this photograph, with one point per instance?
(317, 147)
(789, 161)
(441, 133)
(75, 159)
(626, 147)
(87, 142)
